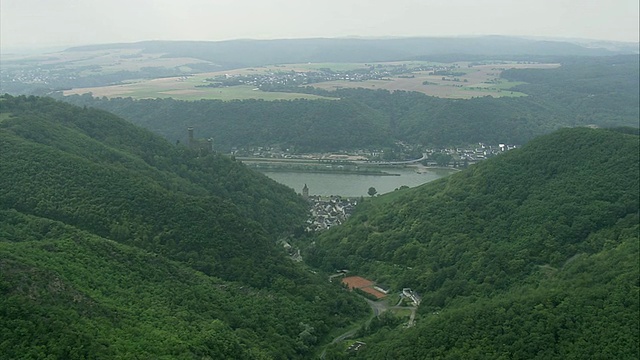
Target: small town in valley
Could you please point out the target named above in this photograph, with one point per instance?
(327, 212)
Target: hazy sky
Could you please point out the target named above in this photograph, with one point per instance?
(40, 23)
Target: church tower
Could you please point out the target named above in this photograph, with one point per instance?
(305, 192)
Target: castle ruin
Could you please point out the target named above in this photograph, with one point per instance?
(202, 145)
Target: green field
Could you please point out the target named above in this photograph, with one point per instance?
(401, 313)
(4, 116)
(143, 91)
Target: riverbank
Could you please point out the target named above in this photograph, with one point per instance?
(419, 168)
(320, 168)
(327, 171)
(354, 184)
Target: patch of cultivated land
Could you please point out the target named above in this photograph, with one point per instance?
(184, 89)
(477, 81)
(469, 81)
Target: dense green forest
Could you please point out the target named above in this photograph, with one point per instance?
(532, 254)
(583, 91)
(597, 90)
(115, 242)
(298, 124)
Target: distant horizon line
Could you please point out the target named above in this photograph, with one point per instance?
(22, 49)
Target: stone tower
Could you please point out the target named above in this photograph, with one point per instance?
(204, 146)
(191, 141)
(305, 192)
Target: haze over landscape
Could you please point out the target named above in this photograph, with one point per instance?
(319, 180)
(41, 23)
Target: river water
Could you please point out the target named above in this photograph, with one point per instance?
(353, 185)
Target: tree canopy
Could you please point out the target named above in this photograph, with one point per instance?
(114, 242)
(532, 254)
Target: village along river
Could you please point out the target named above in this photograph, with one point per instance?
(354, 185)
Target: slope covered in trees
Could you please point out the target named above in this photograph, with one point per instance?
(533, 254)
(300, 124)
(597, 90)
(584, 91)
(115, 242)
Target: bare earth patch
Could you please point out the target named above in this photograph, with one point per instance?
(357, 282)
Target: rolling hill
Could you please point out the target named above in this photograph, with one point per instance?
(533, 254)
(246, 53)
(108, 64)
(114, 242)
(600, 91)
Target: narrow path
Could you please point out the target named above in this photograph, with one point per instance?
(377, 307)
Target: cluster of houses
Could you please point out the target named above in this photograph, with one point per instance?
(295, 78)
(470, 154)
(327, 212)
(482, 151)
(36, 76)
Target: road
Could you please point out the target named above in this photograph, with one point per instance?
(424, 157)
(377, 307)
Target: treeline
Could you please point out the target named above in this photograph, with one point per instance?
(114, 241)
(533, 254)
(584, 91)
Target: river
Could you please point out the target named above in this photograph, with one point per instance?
(353, 185)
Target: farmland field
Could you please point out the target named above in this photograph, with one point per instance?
(462, 81)
(182, 90)
(477, 81)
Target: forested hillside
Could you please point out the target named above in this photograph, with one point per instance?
(533, 254)
(597, 90)
(116, 242)
(584, 91)
(301, 124)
